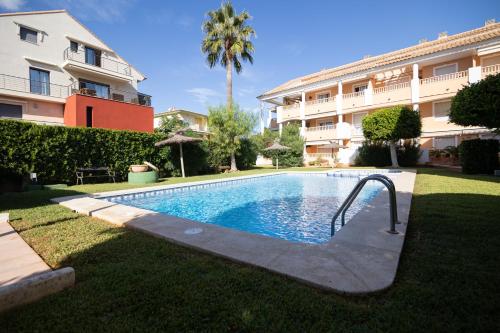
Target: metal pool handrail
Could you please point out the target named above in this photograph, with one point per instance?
(354, 193)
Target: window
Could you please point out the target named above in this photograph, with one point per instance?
(444, 141)
(360, 87)
(92, 56)
(445, 69)
(101, 90)
(28, 35)
(89, 114)
(441, 110)
(73, 46)
(39, 81)
(144, 99)
(323, 97)
(357, 122)
(11, 111)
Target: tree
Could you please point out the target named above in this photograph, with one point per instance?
(170, 124)
(227, 40)
(392, 125)
(478, 104)
(227, 128)
(290, 137)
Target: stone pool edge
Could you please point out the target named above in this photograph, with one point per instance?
(361, 258)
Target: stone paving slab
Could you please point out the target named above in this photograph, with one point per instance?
(24, 276)
(361, 258)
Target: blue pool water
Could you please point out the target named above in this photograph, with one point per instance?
(295, 207)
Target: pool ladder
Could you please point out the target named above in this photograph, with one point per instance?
(352, 196)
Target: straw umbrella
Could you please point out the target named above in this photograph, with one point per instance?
(178, 138)
(276, 147)
(333, 145)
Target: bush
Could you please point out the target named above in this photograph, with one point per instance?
(293, 157)
(373, 154)
(479, 156)
(246, 155)
(378, 154)
(54, 152)
(408, 154)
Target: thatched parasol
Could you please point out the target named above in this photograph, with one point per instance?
(277, 147)
(333, 145)
(178, 138)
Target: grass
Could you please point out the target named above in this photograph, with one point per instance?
(448, 279)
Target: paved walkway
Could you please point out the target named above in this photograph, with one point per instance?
(17, 259)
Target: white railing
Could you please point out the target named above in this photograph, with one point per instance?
(291, 106)
(444, 77)
(25, 85)
(490, 70)
(353, 94)
(320, 128)
(321, 100)
(391, 87)
(130, 96)
(99, 61)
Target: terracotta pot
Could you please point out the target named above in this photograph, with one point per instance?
(139, 168)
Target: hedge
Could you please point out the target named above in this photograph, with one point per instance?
(378, 154)
(54, 152)
(479, 156)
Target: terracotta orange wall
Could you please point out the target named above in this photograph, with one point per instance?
(108, 114)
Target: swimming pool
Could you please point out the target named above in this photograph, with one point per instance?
(294, 207)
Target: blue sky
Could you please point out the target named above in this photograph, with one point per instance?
(294, 38)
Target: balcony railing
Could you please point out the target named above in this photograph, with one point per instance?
(99, 61)
(321, 105)
(291, 111)
(24, 85)
(490, 70)
(353, 100)
(441, 85)
(115, 95)
(398, 92)
(320, 133)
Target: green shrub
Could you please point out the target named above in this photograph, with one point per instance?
(246, 155)
(54, 152)
(373, 154)
(293, 157)
(408, 154)
(378, 154)
(479, 156)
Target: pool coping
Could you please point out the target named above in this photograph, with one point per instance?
(361, 258)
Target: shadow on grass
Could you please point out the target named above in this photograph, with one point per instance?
(436, 171)
(126, 280)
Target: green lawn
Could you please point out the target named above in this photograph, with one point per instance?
(448, 280)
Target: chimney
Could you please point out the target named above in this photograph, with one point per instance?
(442, 35)
(489, 22)
(423, 40)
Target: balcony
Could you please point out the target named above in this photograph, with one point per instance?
(290, 112)
(96, 64)
(490, 70)
(442, 86)
(26, 88)
(321, 133)
(320, 106)
(132, 97)
(394, 93)
(353, 100)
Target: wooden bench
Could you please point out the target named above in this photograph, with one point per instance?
(94, 173)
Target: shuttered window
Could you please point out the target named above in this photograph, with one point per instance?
(442, 109)
(29, 35)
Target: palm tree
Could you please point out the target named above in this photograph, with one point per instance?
(227, 41)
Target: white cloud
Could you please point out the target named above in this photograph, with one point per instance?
(12, 4)
(246, 91)
(108, 11)
(203, 95)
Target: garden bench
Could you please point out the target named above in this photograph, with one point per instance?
(94, 173)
